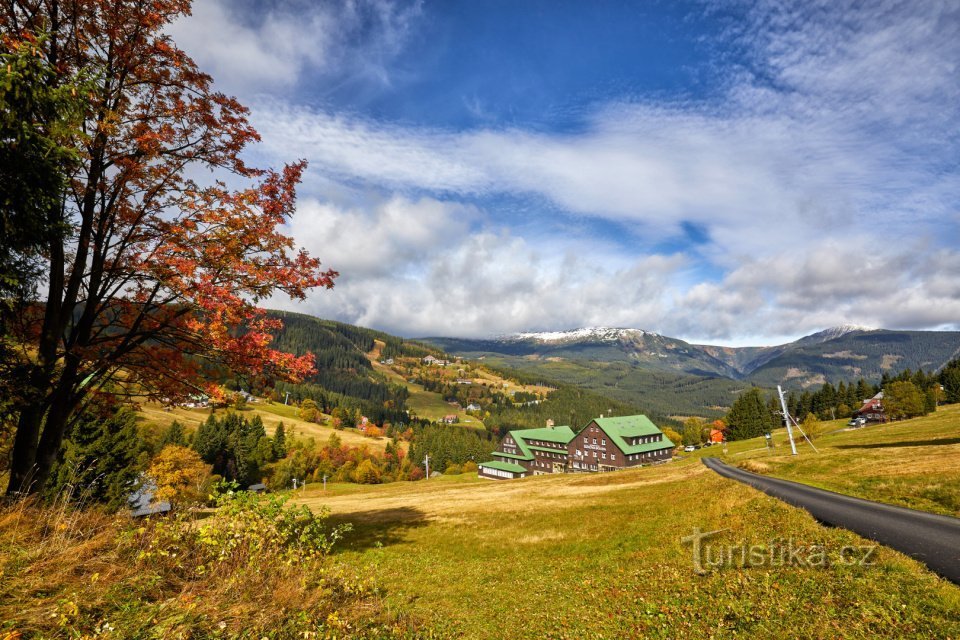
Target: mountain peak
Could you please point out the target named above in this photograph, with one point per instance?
(605, 334)
(833, 333)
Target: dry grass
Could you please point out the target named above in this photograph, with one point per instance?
(67, 573)
(272, 414)
(754, 466)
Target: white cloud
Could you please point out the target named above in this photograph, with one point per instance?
(415, 267)
(275, 48)
(826, 181)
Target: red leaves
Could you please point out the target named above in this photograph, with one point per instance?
(170, 270)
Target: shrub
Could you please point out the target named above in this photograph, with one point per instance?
(453, 469)
(255, 568)
(754, 466)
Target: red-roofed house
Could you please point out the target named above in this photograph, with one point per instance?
(872, 409)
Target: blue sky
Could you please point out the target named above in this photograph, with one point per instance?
(736, 172)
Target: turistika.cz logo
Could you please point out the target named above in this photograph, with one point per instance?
(780, 552)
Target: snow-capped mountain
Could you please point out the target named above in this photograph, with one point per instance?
(839, 353)
(833, 333)
(601, 334)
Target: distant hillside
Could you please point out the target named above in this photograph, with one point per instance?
(650, 351)
(856, 354)
(345, 376)
(674, 377)
(384, 378)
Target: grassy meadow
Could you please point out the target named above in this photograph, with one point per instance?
(913, 463)
(566, 556)
(272, 414)
(601, 556)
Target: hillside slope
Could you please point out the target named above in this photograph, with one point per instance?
(602, 555)
(675, 377)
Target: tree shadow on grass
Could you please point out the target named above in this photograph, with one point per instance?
(383, 526)
(906, 443)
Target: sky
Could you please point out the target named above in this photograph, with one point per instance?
(736, 172)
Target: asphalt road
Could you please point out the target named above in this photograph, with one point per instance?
(932, 539)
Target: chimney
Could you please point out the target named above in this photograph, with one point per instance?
(550, 423)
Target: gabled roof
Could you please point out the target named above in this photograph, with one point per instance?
(560, 435)
(503, 466)
(624, 427)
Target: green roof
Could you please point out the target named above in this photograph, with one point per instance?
(503, 466)
(624, 427)
(515, 456)
(534, 447)
(560, 435)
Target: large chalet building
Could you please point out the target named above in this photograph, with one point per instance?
(605, 444)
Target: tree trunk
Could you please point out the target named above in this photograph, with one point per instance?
(24, 454)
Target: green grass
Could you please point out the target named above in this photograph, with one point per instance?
(426, 404)
(601, 556)
(914, 463)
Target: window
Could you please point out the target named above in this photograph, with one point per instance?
(613, 457)
(594, 441)
(603, 441)
(604, 456)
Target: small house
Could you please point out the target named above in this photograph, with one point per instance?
(872, 409)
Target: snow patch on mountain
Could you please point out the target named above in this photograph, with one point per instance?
(604, 334)
(833, 333)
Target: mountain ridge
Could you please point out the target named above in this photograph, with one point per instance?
(839, 352)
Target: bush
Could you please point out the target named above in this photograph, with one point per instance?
(453, 469)
(255, 568)
(469, 467)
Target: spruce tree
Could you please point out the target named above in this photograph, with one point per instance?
(174, 435)
(102, 458)
(749, 416)
(280, 442)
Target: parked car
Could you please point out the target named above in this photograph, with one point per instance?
(689, 448)
(857, 422)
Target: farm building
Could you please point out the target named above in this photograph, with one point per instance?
(872, 409)
(605, 444)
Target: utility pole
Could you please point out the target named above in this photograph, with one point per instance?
(286, 398)
(426, 461)
(786, 420)
(324, 482)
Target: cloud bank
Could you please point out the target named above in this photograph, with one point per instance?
(822, 184)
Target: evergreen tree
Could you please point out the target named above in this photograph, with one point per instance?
(174, 435)
(279, 442)
(102, 458)
(950, 379)
(749, 416)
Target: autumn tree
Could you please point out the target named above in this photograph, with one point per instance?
(672, 435)
(179, 474)
(812, 426)
(902, 399)
(155, 275)
(693, 431)
(309, 411)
